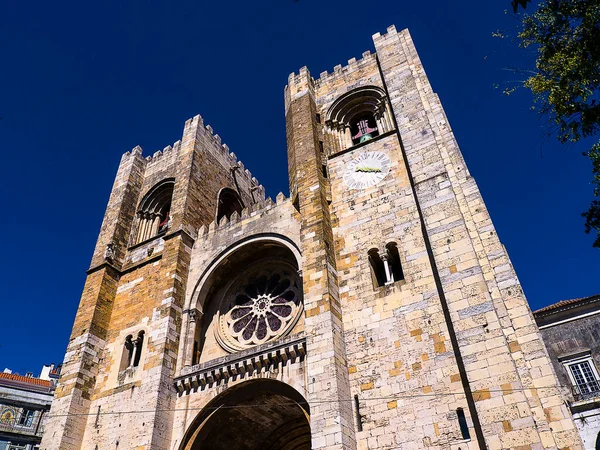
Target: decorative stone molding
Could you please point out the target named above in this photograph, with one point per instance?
(244, 364)
(262, 304)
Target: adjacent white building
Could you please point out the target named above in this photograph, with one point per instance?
(24, 404)
(571, 331)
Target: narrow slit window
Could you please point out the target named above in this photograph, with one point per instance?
(138, 344)
(318, 117)
(127, 355)
(321, 148)
(394, 272)
(324, 168)
(462, 423)
(377, 268)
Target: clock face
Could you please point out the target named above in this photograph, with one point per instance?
(367, 170)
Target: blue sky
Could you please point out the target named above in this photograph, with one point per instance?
(81, 83)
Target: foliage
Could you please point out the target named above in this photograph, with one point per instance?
(592, 216)
(566, 80)
(516, 3)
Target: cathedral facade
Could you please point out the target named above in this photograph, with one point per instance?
(375, 308)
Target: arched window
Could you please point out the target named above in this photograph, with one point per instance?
(127, 354)
(228, 203)
(358, 116)
(377, 268)
(385, 268)
(132, 351)
(393, 261)
(153, 215)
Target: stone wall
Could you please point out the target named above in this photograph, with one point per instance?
(140, 287)
(455, 335)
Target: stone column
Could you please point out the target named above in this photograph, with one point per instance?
(348, 137)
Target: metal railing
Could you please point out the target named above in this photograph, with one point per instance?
(12, 426)
(586, 391)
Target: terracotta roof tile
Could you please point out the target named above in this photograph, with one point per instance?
(562, 303)
(21, 378)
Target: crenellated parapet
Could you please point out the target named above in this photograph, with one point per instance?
(249, 214)
(212, 144)
(353, 65)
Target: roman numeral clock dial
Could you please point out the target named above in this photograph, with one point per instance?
(366, 170)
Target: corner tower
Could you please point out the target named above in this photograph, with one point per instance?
(426, 325)
(124, 345)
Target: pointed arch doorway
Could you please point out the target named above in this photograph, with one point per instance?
(254, 415)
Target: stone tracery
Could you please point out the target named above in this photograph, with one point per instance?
(262, 304)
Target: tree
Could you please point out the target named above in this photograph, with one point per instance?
(566, 79)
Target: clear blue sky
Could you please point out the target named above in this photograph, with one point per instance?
(83, 82)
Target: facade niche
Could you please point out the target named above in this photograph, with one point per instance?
(229, 202)
(153, 215)
(386, 267)
(132, 351)
(358, 116)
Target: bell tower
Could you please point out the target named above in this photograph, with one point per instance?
(425, 323)
(123, 348)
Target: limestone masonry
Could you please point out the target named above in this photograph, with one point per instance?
(375, 308)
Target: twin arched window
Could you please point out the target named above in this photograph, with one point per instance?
(386, 267)
(132, 351)
(153, 215)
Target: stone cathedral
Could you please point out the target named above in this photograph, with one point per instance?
(374, 308)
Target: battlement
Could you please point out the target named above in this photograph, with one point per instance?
(339, 70)
(391, 31)
(353, 64)
(214, 145)
(258, 209)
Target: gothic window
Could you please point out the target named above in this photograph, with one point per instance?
(228, 203)
(462, 423)
(358, 116)
(386, 267)
(132, 351)
(153, 215)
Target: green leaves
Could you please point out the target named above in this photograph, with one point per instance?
(566, 82)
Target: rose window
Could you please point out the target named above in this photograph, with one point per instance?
(261, 305)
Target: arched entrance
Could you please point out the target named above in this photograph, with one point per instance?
(254, 415)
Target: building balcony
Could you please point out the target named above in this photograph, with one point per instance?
(586, 391)
(244, 364)
(11, 426)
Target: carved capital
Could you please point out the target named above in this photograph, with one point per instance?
(194, 314)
